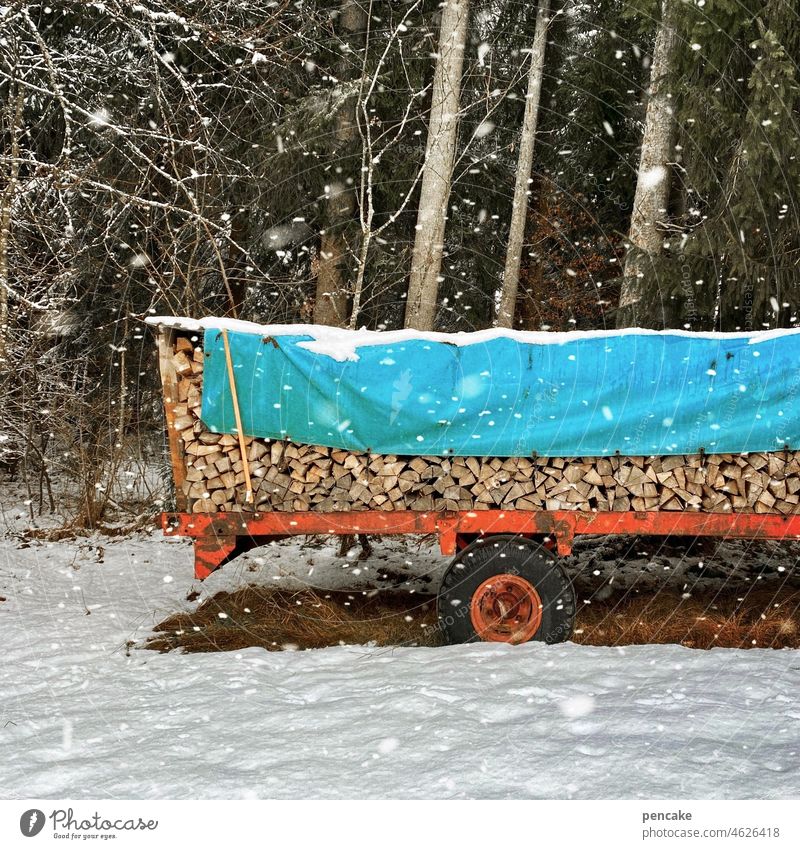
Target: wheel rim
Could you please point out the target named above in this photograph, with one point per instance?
(506, 609)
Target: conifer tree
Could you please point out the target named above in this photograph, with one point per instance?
(330, 306)
(519, 208)
(653, 180)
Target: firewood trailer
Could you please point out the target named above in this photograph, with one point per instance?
(249, 471)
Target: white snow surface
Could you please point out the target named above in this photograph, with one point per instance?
(82, 717)
(341, 344)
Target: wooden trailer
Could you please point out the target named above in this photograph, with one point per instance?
(505, 582)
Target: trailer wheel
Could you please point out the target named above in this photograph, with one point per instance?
(506, 589)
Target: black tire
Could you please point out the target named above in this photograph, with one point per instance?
(504, 555)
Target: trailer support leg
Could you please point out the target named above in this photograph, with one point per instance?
(564, 540)
(211, 552)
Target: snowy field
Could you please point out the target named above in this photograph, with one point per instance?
(84, 715)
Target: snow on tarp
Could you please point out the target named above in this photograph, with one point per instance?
(505, 393)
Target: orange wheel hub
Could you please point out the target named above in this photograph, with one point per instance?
(506, 609)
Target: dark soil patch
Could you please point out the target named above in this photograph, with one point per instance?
(395, 578)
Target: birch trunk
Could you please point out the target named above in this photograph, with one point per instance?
(330, 306)
(519, 209)
(653, 180)
(426, 260)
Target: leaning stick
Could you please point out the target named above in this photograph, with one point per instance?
(248, 496)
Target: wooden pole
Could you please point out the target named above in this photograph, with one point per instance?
(248, 496)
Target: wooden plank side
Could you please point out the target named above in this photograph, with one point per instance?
(169, 384)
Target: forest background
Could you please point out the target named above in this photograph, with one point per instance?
(379, 163)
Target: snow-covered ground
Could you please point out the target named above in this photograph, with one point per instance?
(83, 715)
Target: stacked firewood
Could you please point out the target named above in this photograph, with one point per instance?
(292, 477)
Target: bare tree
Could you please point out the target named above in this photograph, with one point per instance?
(120, 180)
(440, 152)
(519, 209)
(652, 184)
(14, 115)
(330, 306)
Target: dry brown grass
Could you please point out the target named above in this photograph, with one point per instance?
(763, 618)
(277, 619)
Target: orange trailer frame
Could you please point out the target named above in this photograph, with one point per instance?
(219, 537)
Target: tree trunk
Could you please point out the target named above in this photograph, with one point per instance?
(14, 109)
(519, 209)
(653, 180)
(426, 260)
(330, 306)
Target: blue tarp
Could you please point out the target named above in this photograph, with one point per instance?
(512, 394)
